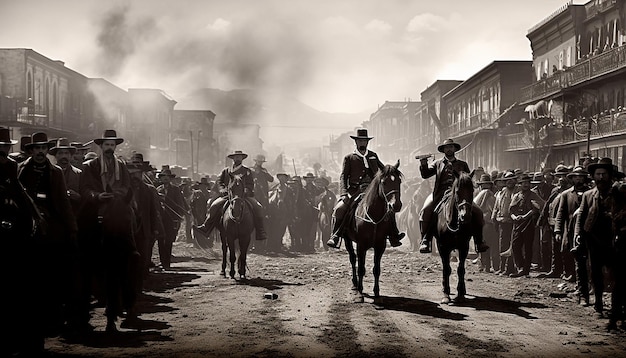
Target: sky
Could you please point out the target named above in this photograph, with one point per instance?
(334, 55)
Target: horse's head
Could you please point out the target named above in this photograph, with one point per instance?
(388, 181)
(236, 194)
(280, 197)
(462, 197)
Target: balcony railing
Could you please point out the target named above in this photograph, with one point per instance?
(595, 66)
(593, 8)
(475, 121)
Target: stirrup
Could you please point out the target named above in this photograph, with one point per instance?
(426, 247)
(334, 242)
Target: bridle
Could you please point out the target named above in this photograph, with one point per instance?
(388, 204)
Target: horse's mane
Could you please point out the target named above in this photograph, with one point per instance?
(372, 190)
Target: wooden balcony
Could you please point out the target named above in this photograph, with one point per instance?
(595, 66)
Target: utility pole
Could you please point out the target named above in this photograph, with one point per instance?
(191, 144)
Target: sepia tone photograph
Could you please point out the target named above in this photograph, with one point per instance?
(296, 178)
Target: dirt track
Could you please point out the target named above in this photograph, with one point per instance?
(192, 311)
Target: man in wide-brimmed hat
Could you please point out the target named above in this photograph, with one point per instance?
(262, 178)
(24, 153)
(358, 170)
(175, 210)
(502, 221)
(106, 184)
(594, 226)
(486, 200)
(445, 170)
(63, 152)
(216, 208)
(45, 184)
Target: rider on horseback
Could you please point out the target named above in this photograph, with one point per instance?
(217, 207)
(359, 169)
(445, 170)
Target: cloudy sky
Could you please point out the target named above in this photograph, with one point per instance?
(334, 55)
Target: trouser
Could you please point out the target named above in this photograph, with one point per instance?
(491, 257)
(562, 262)
(582, 274)
(522, 247)
(618, 297)
(217, 209)
(506, 229)
(340, 216)
(546, 247)
(166, 242)
(600, 256)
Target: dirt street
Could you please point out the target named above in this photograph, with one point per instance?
(192, 311)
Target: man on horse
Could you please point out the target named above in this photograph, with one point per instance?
(262, 178)
(217, 207)
(445, 171)
(358, 171)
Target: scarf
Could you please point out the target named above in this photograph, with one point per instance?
(105, 174)
(364, 156)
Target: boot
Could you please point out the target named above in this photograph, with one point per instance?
(394, 240)
(481, 247)
(427, 239)
(334, 241)
(260, 233)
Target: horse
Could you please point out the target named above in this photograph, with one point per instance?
(237, 224)
(455, 222)
(280, 213)
(371, 224)
(324, 218)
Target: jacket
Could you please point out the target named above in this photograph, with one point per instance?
(355, 176)
(444, 172)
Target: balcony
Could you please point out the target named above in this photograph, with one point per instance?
(595, 66)
(475, 122)
(594, 8)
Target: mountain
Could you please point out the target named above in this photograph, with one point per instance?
(282, 119)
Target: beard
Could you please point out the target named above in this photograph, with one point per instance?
(3, 154)
(109, 152)
(362, 148)
(64, 161)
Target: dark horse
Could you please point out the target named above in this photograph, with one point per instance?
(371, 224)
(237, 224)
(280, 211)
(455, 224)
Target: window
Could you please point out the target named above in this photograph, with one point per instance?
(568, 57)
(560, 60)
(30, 85)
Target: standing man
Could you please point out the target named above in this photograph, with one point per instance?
(486, 200)
(174, 211)
(525, 208)
(262, 178)
(63, 152)
(501, 216)
(594, 227)
(57, 250)
(358, 171)
(216, 208)
(445, 171)
(107, 214)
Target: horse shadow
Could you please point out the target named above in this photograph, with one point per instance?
(417, 306)
(146, 331)
(165, 281)
(499, 305)
(265, 283)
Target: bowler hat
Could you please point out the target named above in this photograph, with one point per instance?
(361, 133)
(606, 163)
(5, 137)
(62, 143)
(237, 152)
(449, 141)
(109, 134)
(38, 138)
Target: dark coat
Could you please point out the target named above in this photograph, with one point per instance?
(174, 206)
(564, 224)
(246, 174)
(72, 181)
(589, 212)
(445, 172)
(148, 210)
(355, 176)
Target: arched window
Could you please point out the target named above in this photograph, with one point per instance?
(46, 98)
(30, 85)
(55, 101)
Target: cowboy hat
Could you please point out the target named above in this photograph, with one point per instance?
(137, 158)
(561, 170)
(309, 176)
(284, 175)
(237, 152)
(524, 177)
(166, 172)
(260, 158)
(606, 163)
(361, 133)
(578, 171)
(109, 134)
(62, 143)
(449, 141)
(537, 178)
(507, 176)
(5, 137)
(38, 138)
(321, 181)
(485, 179)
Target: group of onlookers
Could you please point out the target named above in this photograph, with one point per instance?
(561, 222)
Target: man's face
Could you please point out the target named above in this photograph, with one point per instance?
(136, 176)
(165, 179)
(4, 150)
(39, 152)
(108, 147)
(449, 150)
(361, 144)
(601, 176)
(63, 157)
(578, 180)
(511, 183)
(237, 159)
(525, 185)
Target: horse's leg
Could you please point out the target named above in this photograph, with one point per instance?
(233, 258)
(352, 256)
(379, 250)
(447, 270)
(244, 243)
(460, 288)
(360, 253)
(224, 251)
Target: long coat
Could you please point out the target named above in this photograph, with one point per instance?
(444, 171)
(589, 214)
(246, 175)
(569, 202)
(72, 181)
(355, 175)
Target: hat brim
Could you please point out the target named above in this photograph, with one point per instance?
(31, 144)
(361, 137)
(244, 155)
(593, 166)
(10, 142)
(569, 175)
(54, 150)
(99, 141)
(166, 175)
(457, 147)
(484, 182)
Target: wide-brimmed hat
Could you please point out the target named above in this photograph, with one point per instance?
(5, 137)
(537, 178)
(361, 133)
(79, 146)
(578, 171)
(561, 170)
(137, 158)
(166, 172)
(90, 156)
(24, 141)
(485, 179)
(62, 143)
(547, 170)
(237, 152)
(38, 138)
(507, 176)
(449, 141)
(606, 163)
(284, 175)
(524, 177)
(309, 176)
(321, 181)
(109, 134)
(260, 158)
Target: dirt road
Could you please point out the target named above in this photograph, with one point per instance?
(192, 311)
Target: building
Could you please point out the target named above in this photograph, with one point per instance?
(578, 101)
(477, 106)
(193, 138)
